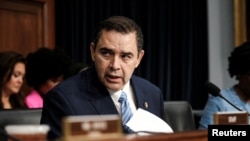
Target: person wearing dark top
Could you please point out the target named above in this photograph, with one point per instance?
(116, 52)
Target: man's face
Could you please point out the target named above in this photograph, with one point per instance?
(116, 57)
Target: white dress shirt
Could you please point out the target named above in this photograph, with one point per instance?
(115, 95)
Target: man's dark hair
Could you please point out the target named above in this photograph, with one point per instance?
(122, 25)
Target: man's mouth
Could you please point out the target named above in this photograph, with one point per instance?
(113, 78)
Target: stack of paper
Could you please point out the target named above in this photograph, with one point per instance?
(148, 123)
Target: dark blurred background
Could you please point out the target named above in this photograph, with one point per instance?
(175, 33)
(187, 42)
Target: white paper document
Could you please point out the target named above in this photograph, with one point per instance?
(144, 121)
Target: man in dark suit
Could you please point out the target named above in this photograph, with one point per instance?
(116, 52)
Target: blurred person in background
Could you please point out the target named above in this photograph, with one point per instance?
(12, 73)
(238, 94)
(45, 69)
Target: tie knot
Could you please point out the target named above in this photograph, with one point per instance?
(123, 97)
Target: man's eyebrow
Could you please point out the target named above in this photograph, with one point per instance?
(105, 48)
(127, 53)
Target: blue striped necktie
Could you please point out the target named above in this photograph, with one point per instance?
(126, 111)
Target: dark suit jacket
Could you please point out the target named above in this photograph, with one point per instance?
(84, 94)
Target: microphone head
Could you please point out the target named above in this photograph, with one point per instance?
(212, 89)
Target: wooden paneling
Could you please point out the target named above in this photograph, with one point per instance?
(240, 26)
(26, 25)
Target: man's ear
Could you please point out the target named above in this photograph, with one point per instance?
(92, 51)
(141, 54)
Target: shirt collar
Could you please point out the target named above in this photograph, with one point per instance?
(116, 94)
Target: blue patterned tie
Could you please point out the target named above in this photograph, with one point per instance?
(126, 112)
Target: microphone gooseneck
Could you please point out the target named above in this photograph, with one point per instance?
(215, 91)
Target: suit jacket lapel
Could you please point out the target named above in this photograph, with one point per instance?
(105, 105)
(141, 97)
(99, 95)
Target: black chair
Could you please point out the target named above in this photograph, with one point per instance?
(17, 116)
(197, 116)
(20, 116)
(179, 115)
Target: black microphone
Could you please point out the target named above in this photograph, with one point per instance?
(215, 91)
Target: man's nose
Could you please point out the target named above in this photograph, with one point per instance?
(115, 63)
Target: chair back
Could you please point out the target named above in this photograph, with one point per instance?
(20, 116)
(17, 116)
(179, 115)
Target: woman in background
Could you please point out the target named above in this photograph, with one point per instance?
(45, 69)
(238, 94)
(12, 72)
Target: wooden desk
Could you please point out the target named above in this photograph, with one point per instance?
(198, 135)
(178, 136)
